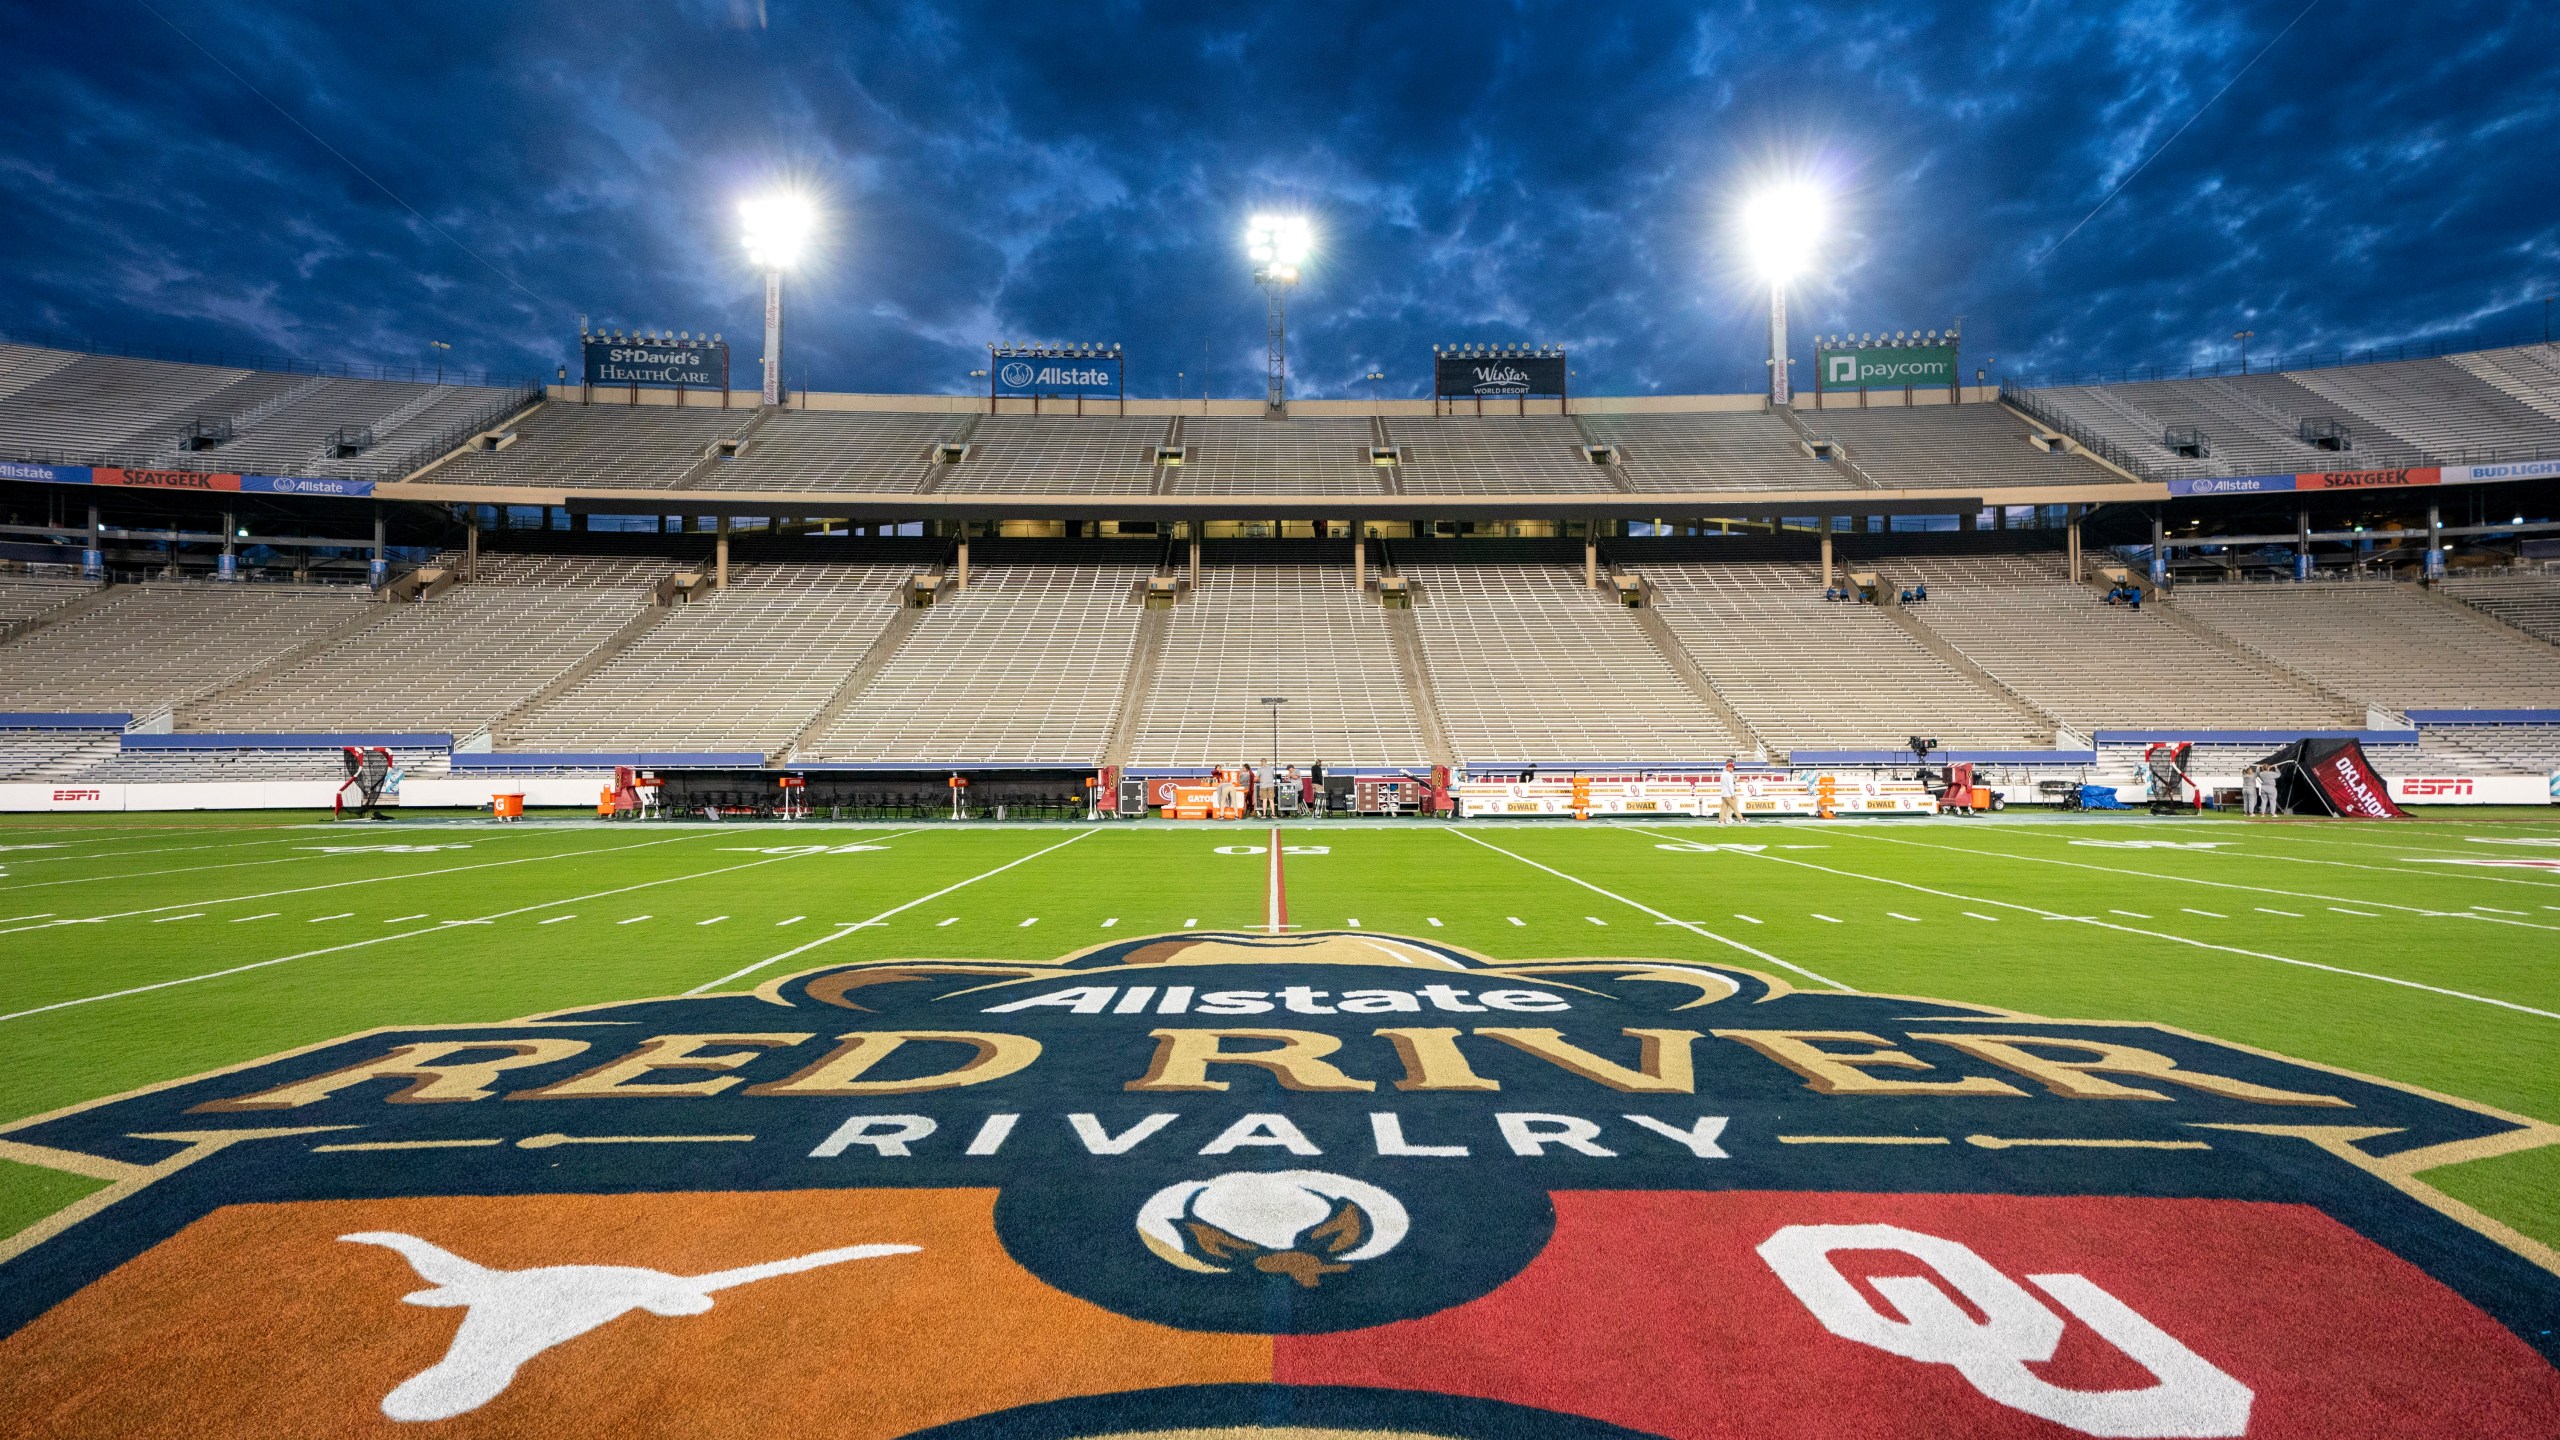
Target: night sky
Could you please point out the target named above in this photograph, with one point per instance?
(2386, 173)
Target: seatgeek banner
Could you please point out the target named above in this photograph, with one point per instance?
(2384, 479)
(139, 479)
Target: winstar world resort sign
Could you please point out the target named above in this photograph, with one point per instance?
(1254, 1185)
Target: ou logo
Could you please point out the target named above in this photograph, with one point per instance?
(1285, 850)
(1015, 374)
(2188, 1396)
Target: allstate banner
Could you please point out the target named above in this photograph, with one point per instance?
(622, 360)
(1325, 1182)
(1023, 376)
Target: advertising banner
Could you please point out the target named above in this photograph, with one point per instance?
(44, 474)
(2382, 479)
(2471, 790)
(1876, 367)
(304, 485)
(1023, 374)
(162, 479)
(1458, 374)
(626, 360)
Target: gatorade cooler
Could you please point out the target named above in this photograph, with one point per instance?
(508, 806)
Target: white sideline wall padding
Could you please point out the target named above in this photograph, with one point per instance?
(466, 793)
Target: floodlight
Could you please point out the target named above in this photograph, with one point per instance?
(778, 228)
(1781, 227)
(1278, 243)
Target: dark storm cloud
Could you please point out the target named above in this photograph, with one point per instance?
(1522, 172)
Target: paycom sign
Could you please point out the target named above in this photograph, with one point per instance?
(1055, 372)
(1878, 367)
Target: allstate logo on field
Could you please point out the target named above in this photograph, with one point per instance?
(1015, 375)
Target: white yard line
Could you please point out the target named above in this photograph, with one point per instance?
(370, 880)
(843, 931)
(390, 939)
(1692, 928)
(2148, 934)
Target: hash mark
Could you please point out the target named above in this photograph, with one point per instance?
(1818, 915)
(1114, 920)
(1028, 923)
(1898, 915)
(1978, 915)
(794, 920)
(2208, 914)
(714, 920)
(1434, 919)
(2132, 914)
(1191, 924)
(634, 920)
(2361, 914)
(2494, 910)
(1594, 919)
(556, 919)
(954, 920)
(1516, 920)
(1352, 924)
(245, 919)
(1738, 915)
(342, 915)
(165, 919)
(405, 919)
(2289, 915)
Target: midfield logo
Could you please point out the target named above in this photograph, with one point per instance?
(1339, 1180)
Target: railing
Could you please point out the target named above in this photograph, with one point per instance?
(427, 374)
(2268, 365)
(2089, 439)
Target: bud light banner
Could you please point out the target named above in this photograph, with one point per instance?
(626, 360)
(1027, 375)
(1460, 375)
(1878, 367)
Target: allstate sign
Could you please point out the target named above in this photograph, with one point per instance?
(1083, 374)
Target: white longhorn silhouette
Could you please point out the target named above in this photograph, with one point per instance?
(513, 1315)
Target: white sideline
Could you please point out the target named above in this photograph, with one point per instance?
(2148, 934)
(1687, 925)
(399, 935)
(843, 930)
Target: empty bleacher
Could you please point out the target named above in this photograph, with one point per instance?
(1276, 457)
(740, 670)
(604, 447)
(1024, 667)
(1494, 455)
(24, 597)
(151, 646)
(1939, 447)
(1059, 454)
(448, 665)
(2383, 643)
(110, 410)
(2092, 665)
(836, 450)
(2527, 599)
(1807, 673)
(1712, 450)
(1298, 632)
(52, 754)
(1529, 667)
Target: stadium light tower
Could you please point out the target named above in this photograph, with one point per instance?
(1781, 227)
(778, 228)
(1277, 245)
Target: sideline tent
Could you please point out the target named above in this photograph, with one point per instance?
(2331, 777)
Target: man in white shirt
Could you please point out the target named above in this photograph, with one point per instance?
(1728, 797)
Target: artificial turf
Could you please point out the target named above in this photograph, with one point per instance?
(142, 949)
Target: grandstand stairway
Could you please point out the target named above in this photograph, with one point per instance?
(883, 646)
(712, 458)
(1649, 620)
(1145, 658)
(1413, 668)
(70, 609)
(650, 618)
(1956, 660)
(1846, 462)
(283, 660)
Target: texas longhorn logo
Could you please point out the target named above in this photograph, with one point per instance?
(1337, 1181)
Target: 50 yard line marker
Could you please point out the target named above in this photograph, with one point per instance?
(843, 929)
(1687, 925)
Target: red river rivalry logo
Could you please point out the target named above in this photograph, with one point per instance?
(1253, 1185)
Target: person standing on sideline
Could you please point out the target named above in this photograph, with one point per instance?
(1728, 799)
(2248, 789)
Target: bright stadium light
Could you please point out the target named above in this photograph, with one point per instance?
(1781, 228)
(778, 230)
(1277, 245)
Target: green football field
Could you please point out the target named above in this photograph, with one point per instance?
(141, 949)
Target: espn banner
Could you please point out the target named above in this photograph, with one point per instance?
(1218, 1183)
